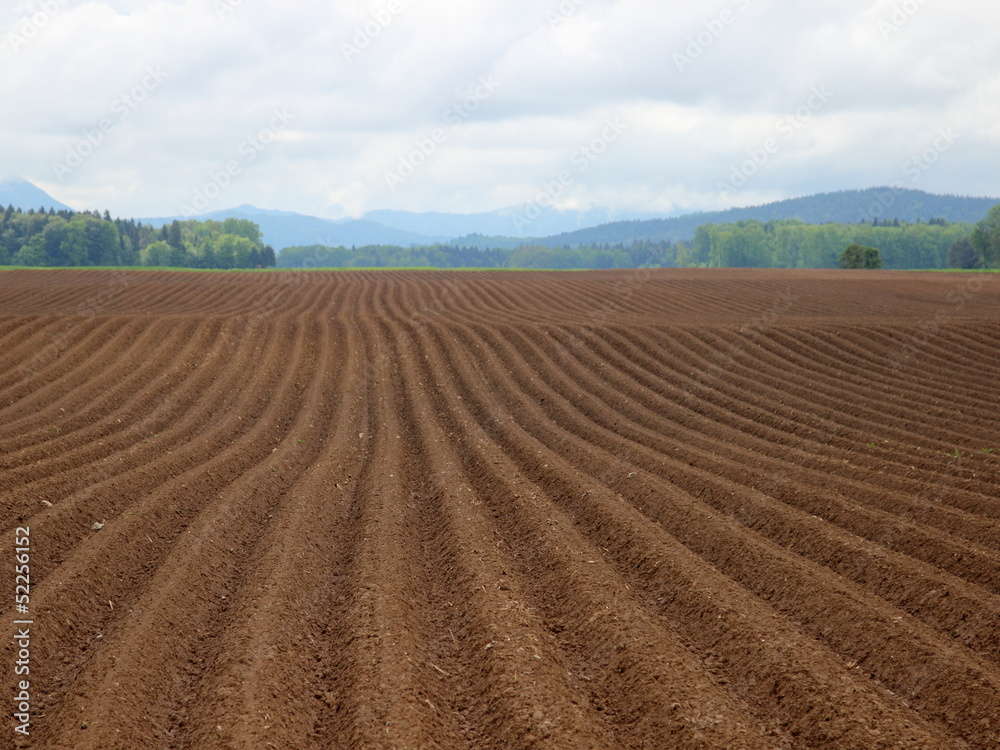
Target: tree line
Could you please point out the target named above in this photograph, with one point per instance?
(453, 256)
(750, 243)
(69, 238)
(793, 244)
(897, 245)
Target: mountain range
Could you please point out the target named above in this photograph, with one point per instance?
(22, 194)
(843, 207)
(554, 227)
(386, 227)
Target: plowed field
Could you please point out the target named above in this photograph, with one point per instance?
(668, 509)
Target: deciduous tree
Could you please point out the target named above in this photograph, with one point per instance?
(860, 256)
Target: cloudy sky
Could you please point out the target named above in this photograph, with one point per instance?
(333, 109)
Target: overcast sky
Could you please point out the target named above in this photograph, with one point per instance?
(332, 109)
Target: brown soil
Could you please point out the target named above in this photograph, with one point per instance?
(667, 509)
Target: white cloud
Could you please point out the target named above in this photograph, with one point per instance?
(898, 70)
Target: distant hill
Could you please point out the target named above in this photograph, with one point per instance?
(22, 194)
(507, 228)
(283, 229)
(847, 206)
(497, 229)
(504, 222)
(386, 227)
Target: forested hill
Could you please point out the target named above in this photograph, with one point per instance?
(845, 207)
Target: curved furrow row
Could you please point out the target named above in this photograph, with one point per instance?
(951, 347)
(865, 372)
(61, 418)
(110, 470)
(813, 442)
(552, 713)
(573, 300)
(575, 628)
(967, 613)
(29, 290)
(493, 301)
(981, 336)
(807, 592)
(790, 395)
(773, 451)
(188, 601)
(981, 530)
(970, 376)
(139, 547)
(160, 294)
(490, 299)
(220, 419)
(869, 372)
(526, 302)
(85, 350)
(231, 298)
(835, 430)
(53, 366)
(19, 342)
(386, 689)
(435, 299)
(914, 455)
(103, 294)
(628, 509)
(506, 646)
(97, 410)
(166, 293)
(782, 673)
(280, 620)
(941, 399)
(23, 361)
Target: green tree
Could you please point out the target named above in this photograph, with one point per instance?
(74, 249)
(234, 251)
(859, 256)
(962, 254)
(33, 253)
(242, 228)
(157, 253)
(985, 237)
(174, 235)
(701, 246)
